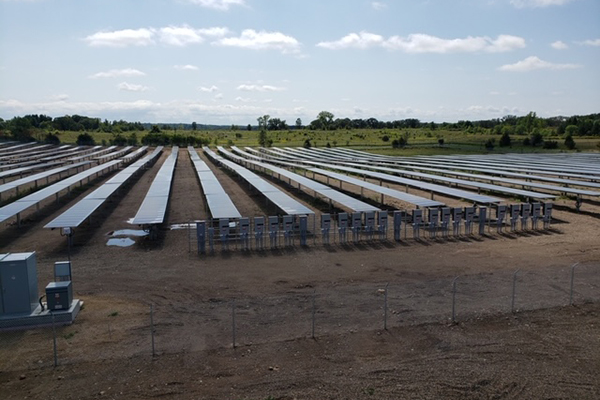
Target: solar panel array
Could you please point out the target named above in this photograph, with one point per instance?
(154, 207)
(83, 209)
(34, 178)
(419, 202)
(430, 187)
(219, 202)
(284, 202)
(333, 195)
(16, 207)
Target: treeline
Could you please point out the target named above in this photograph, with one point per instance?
(587, 125)
(34, 126)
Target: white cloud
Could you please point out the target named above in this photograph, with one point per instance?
(360, 40)
(130, 87)
(243, 99)
(219, 96)
(211, 89)
(260, 88)
(186, 67)
(114, 73)
(251, 39)
(591, 42)
(559, 45)
(423, 43)
(534, 63)
(377, 5)
(122, 38)
(222, 5)
(185, 34)
(538, 3)
(170, 35)
(179, 35)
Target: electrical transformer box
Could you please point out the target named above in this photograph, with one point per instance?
(343, 220)
(59, 295)
(18, 283)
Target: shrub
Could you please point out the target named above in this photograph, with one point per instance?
(85, 139)
(550, 144)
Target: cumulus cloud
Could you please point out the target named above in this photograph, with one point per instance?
(186, 67)
(211, 89)
(222, 5)
(534, 63)
(423, 43)
(377, 5)
(60, 97)
(591, 42)
(559, 45)
(115, 73)
(260, 88)
(185, 34)
(173, 35)
(361, 40)
(122, 38)
(130, 87)
(262, 40)
(538, 3)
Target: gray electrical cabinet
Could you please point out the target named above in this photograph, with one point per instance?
(59, 295)
(18, 283)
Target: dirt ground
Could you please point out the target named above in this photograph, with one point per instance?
(546, 349)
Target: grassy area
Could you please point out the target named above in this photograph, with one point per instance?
(420, 141)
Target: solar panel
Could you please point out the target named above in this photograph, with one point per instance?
(24, 203)
(338, 197)
(153, 208)
(408, 198)
(219, 203)
(33, 178)
(284, 202)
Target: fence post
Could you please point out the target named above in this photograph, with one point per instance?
(514, 286)
(233, 322)
(152, 329)
(385, 306)
(313, 313)
(454, 300)
(54, 340)
(572, 279)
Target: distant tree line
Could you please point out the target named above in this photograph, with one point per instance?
(531, 127)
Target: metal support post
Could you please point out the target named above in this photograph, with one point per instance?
(572, 279)
(514, 287)
(454, 300)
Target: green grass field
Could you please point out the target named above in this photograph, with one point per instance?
(420, 141)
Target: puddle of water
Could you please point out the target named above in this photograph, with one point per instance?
(129, 232)
(120, 242)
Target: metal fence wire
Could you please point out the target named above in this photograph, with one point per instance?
(308, 312)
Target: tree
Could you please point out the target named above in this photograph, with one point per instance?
(325, 118)
(85, 139)
(504, 140)
(194, 126)
(441, 141)
(569, 142)
(249, 128)
(536, 138)
(306, 144)
(263, 125)
(571, 130)
(489, 144)
(298, 123)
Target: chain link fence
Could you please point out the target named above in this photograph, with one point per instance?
(306, 312)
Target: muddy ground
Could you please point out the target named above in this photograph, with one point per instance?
(546, 349)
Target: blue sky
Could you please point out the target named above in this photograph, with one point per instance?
(230, 61)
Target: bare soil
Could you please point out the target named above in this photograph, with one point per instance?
(546, 349)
